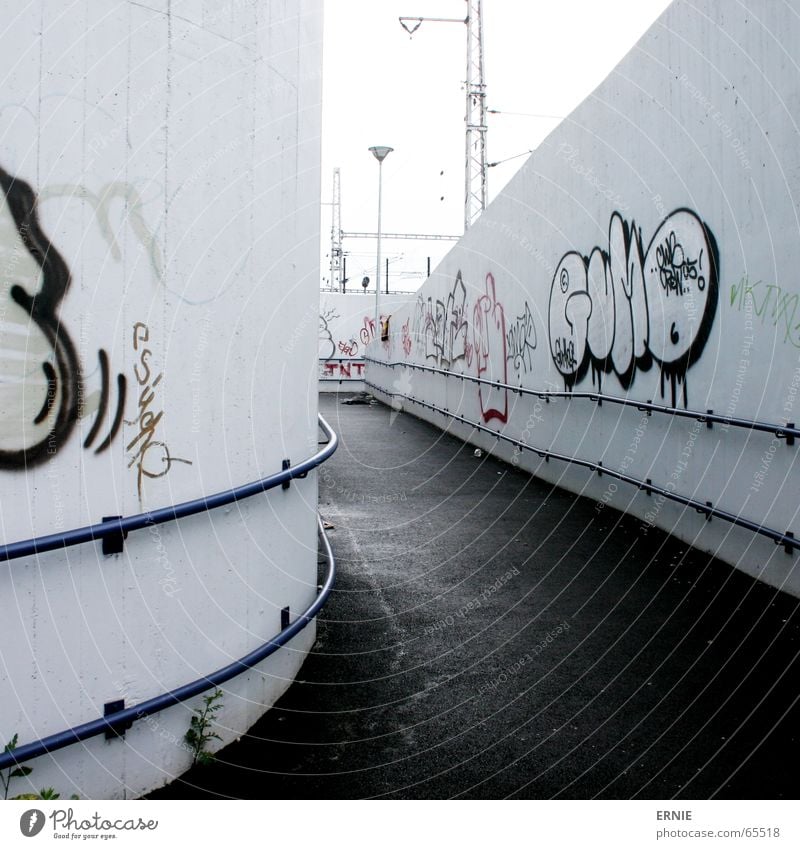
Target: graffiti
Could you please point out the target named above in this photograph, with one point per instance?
(406, 338)
(347, 337)
(521, 341)
(103, 406)
(349, 349)
(622, 310)
(367, 333)
(41, 383)
(434, 331)
(456, 322)
(419, 323)
(327, 347)
(445, 326)
(420, 318)
(564, 355)
(338, 370)
(41, 391)
(771, 304)
(489, 350)
(159, 462)
(101, 203)
(674, 269)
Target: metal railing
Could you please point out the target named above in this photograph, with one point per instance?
(124, 524)
(121, 720)
(788, 431)
(786, 539)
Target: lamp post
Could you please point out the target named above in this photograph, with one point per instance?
(380, 152)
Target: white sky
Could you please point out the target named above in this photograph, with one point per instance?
(383, 87)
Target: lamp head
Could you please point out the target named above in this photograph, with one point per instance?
(380, 152)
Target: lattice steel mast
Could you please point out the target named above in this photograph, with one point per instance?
(336, 234)
(476, 188)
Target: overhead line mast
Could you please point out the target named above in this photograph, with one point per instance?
(476, 186)
(336, 234)
(338, 260)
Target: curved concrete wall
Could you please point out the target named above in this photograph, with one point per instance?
(648, 250)
(159, 232)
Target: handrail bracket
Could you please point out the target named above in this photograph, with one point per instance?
(113, 542)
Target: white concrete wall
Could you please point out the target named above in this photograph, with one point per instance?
(346, 327)
(649, 249)
(172, 151)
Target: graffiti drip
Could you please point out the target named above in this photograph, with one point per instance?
(623, 309)
(489, 346)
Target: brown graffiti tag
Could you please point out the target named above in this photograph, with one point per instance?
(152, 457)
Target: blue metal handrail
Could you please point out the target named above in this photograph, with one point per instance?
(124, 524)
(787, 540)
(788, 431)
(124, 718)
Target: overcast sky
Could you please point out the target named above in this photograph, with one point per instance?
(382, 86)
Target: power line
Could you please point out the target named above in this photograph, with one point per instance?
(418, 236)
(508, 159)
(526, 114)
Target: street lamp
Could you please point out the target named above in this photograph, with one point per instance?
(380, 152)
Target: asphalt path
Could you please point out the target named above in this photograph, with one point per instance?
(492, 636)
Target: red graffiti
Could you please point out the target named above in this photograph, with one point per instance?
(407, 338)
(349, 349)
(338, 370)
(367, 333)
(489, 348)
(368, 330)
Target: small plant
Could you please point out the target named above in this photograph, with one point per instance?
(200, 734)
(21, 772)
(44, 793)
(12, 772)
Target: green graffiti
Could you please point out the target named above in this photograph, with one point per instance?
(772, 304)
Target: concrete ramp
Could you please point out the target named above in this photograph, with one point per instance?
(491, 635)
